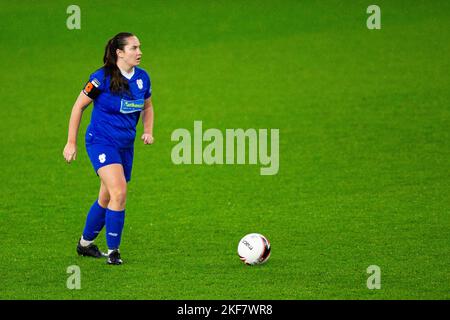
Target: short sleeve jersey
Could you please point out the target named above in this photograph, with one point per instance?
(115, 116)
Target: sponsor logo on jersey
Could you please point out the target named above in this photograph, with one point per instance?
(129, 106)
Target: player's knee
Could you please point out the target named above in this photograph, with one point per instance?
(118, 195)
(103, 200)
(103, 197)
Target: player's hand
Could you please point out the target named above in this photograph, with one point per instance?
(70, 152)
(147, 138)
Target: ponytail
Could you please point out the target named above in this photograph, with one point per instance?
(118, 84)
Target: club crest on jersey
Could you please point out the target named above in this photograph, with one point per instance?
(140, 84)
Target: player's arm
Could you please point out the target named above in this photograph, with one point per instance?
(70, 150)
(147, 120)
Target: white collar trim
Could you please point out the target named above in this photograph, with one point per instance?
(127, 75)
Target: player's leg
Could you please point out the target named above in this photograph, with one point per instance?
(94, 224)
(100, 155)
(96, 216)
(103, 195)
(113, 178)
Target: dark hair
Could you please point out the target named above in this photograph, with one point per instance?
(118, 83)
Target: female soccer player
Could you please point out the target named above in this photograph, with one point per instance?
(121, 92)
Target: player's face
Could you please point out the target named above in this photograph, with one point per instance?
(131, 53)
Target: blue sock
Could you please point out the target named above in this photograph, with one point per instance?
(114, 226)
(94, 222)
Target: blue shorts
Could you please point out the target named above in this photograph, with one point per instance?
(102, 155)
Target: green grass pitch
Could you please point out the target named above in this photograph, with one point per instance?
(364, 118)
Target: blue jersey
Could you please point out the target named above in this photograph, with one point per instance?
(115, 116)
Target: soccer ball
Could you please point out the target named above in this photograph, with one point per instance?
(253, 249)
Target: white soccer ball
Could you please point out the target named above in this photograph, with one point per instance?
(254, 248)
